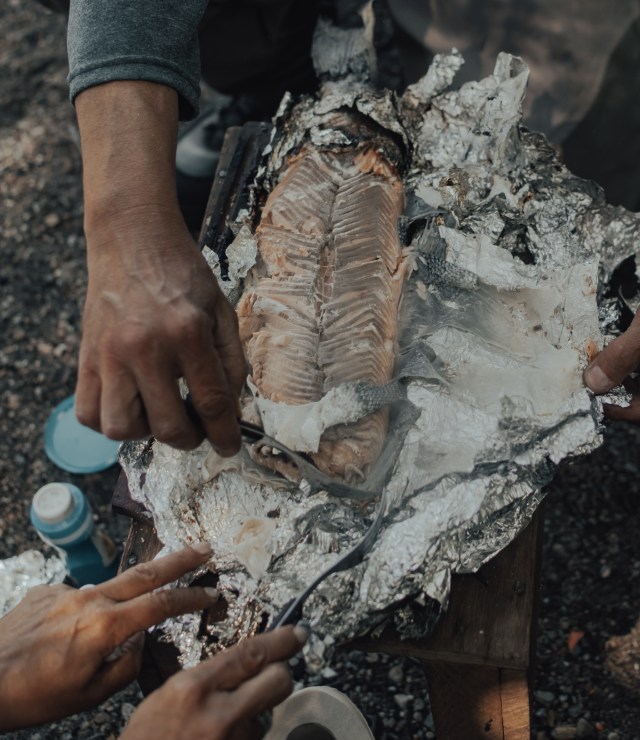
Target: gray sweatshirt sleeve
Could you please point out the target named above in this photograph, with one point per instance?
(152, 40)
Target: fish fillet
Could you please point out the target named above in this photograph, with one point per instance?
(320, 307)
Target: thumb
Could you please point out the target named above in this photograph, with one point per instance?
(616, 361)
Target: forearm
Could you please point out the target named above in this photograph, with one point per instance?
(151, 40)
(128, 135)
(154, 311)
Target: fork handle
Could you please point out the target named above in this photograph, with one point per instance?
(290, 613)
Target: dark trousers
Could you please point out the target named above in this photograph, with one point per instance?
(258, 47)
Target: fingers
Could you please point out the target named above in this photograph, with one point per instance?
(228, 345)
(214, 401)
(216, 376)
(629, 413)
(619, 358)
(264, 691)
(146, 577)
(167, 416)
(144, 611)
(122, 415)
(244, 661)
(87, 403)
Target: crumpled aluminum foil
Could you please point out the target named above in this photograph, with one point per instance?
(22, 572)
(511, 253)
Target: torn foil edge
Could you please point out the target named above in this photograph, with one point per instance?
(22, 572)
(568, 211)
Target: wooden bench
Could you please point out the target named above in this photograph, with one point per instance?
(479, 659)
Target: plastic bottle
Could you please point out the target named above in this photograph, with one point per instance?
(63, 518)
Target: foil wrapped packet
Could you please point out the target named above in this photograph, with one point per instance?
(512, 260)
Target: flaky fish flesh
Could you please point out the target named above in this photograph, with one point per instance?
(320, 307)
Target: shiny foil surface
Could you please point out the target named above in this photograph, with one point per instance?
(512, 260)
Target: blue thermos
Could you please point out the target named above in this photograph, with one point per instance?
(63, 518)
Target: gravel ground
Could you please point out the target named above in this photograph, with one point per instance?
(591, 575)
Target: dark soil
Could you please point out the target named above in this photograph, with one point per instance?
(591, 574)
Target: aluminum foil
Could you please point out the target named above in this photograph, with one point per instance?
(22, 572)
(511, 254)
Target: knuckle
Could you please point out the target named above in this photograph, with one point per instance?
(146, 575)
(188, 326)
(116, 430)
(252, 655)
(213, 405)
(101, 620)
(88, 416)
(169, 432)
(164, 600)
(136, 338)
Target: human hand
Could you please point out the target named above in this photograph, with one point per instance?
(223, 697)
(154, 312)
(613, 366)
(57, 645)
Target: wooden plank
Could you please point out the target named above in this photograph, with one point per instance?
(478, 702)
(516, 709)
(490, 618)
(465, 701)
(239, 160)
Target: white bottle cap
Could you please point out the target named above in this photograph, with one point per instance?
(53, 503)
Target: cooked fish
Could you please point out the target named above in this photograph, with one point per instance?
(320, 307)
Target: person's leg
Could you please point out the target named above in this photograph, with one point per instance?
(260, 48)
(254, 51)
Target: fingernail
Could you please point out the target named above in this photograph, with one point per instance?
(301, 634)
(204, 548)
(597, 379)
(212, 593)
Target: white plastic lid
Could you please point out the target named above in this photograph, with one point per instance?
(53, 503)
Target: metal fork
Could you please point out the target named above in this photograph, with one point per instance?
(292, 611)
(315, 478)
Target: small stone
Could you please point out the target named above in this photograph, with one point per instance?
(328, 673)
(584, 728)
(52, 220)
(396, 674)
(545, 697)
(373, 657)
(613, 736)
(100, 718)
(564, 732)
(127, 710)
(13, 401)
(402, 700)
(44, 348)
(605, 571)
